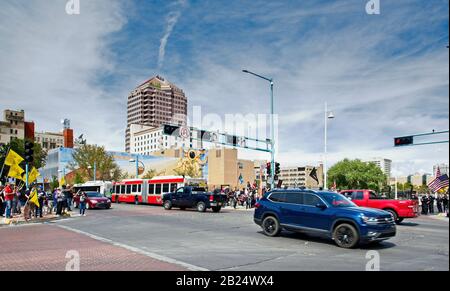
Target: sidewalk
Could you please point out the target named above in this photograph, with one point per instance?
(440, 216)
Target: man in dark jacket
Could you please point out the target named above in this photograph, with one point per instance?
(424, 201)
(431, 204)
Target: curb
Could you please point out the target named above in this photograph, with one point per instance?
(14, 222)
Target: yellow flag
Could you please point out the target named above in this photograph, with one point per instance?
(34, 198)
(33, 175)
(62, 182)
(13, 158)
(15, 172)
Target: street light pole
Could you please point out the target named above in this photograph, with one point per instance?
(272, 125)
(328, 115)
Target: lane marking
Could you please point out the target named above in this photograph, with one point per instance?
(136, 250)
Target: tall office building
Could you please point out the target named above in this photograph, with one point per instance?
(154, 103)
(384, 164)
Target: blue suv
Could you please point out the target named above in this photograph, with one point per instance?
(323, 212)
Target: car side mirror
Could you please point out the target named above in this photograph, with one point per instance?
(321, 206)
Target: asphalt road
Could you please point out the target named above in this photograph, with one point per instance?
(231, 241)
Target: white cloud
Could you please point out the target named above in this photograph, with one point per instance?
(172, 20)
(51, 63)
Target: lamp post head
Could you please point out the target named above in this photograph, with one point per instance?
(245, 71)
(331, 115)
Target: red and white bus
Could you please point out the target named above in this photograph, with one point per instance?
(144, 191)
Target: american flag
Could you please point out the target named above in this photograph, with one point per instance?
(442, 181)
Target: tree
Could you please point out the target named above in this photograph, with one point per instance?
(355, 174)
(188, 168)
(54, 183)
(18, 145)
(87, 156)
(78, 178)
(151, 174)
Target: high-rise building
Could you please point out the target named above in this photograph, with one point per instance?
(154, 103)
(384, 164)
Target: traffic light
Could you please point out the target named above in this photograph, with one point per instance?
(277, 168)
(404, 141)
(269, 169)
(29, 152)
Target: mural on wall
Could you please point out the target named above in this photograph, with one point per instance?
(192, 164)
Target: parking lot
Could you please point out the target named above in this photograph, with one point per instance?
(231, 241)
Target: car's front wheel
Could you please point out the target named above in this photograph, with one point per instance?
(167, 205)
(346, 236)
(271, 226)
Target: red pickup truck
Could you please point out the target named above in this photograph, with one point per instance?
(400, 209)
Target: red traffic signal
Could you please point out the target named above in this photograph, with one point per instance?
(404, 141)
(269, 168)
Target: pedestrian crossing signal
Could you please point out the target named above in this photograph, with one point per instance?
(404, 141)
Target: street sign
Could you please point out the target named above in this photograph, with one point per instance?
(185, 133)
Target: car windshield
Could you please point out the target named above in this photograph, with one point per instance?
(337, 200)
(94, 194)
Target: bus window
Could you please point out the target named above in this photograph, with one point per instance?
(134, 188)
(151, 189)
(122, 189)
(139, 188)
(158, 189)
(117, 189)
(166, 188)
(128, 189)
(173, 187)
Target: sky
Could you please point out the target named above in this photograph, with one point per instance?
(382, 75)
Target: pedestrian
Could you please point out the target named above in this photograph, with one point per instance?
(2, 201)
(59, 202)
(69, 195)
(82, 198)
(41, 200)
(445, 203)
(431, 204)
(424, 201)
(439, 203)
(55, 200)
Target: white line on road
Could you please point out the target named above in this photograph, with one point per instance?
(136, 250)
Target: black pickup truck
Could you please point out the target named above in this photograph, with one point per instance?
(194, 197)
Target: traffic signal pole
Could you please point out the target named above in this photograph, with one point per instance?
(410, 140)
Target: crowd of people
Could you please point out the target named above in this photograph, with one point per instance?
(244, 197)
(15, 201)
(429, 203)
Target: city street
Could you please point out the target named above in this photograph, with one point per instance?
(130, 237)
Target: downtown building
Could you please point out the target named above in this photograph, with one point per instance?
(296, 177)
(148, 140)
(384, 164)
(154, 103)
(14, 126)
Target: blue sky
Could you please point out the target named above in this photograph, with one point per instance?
(383, 75)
